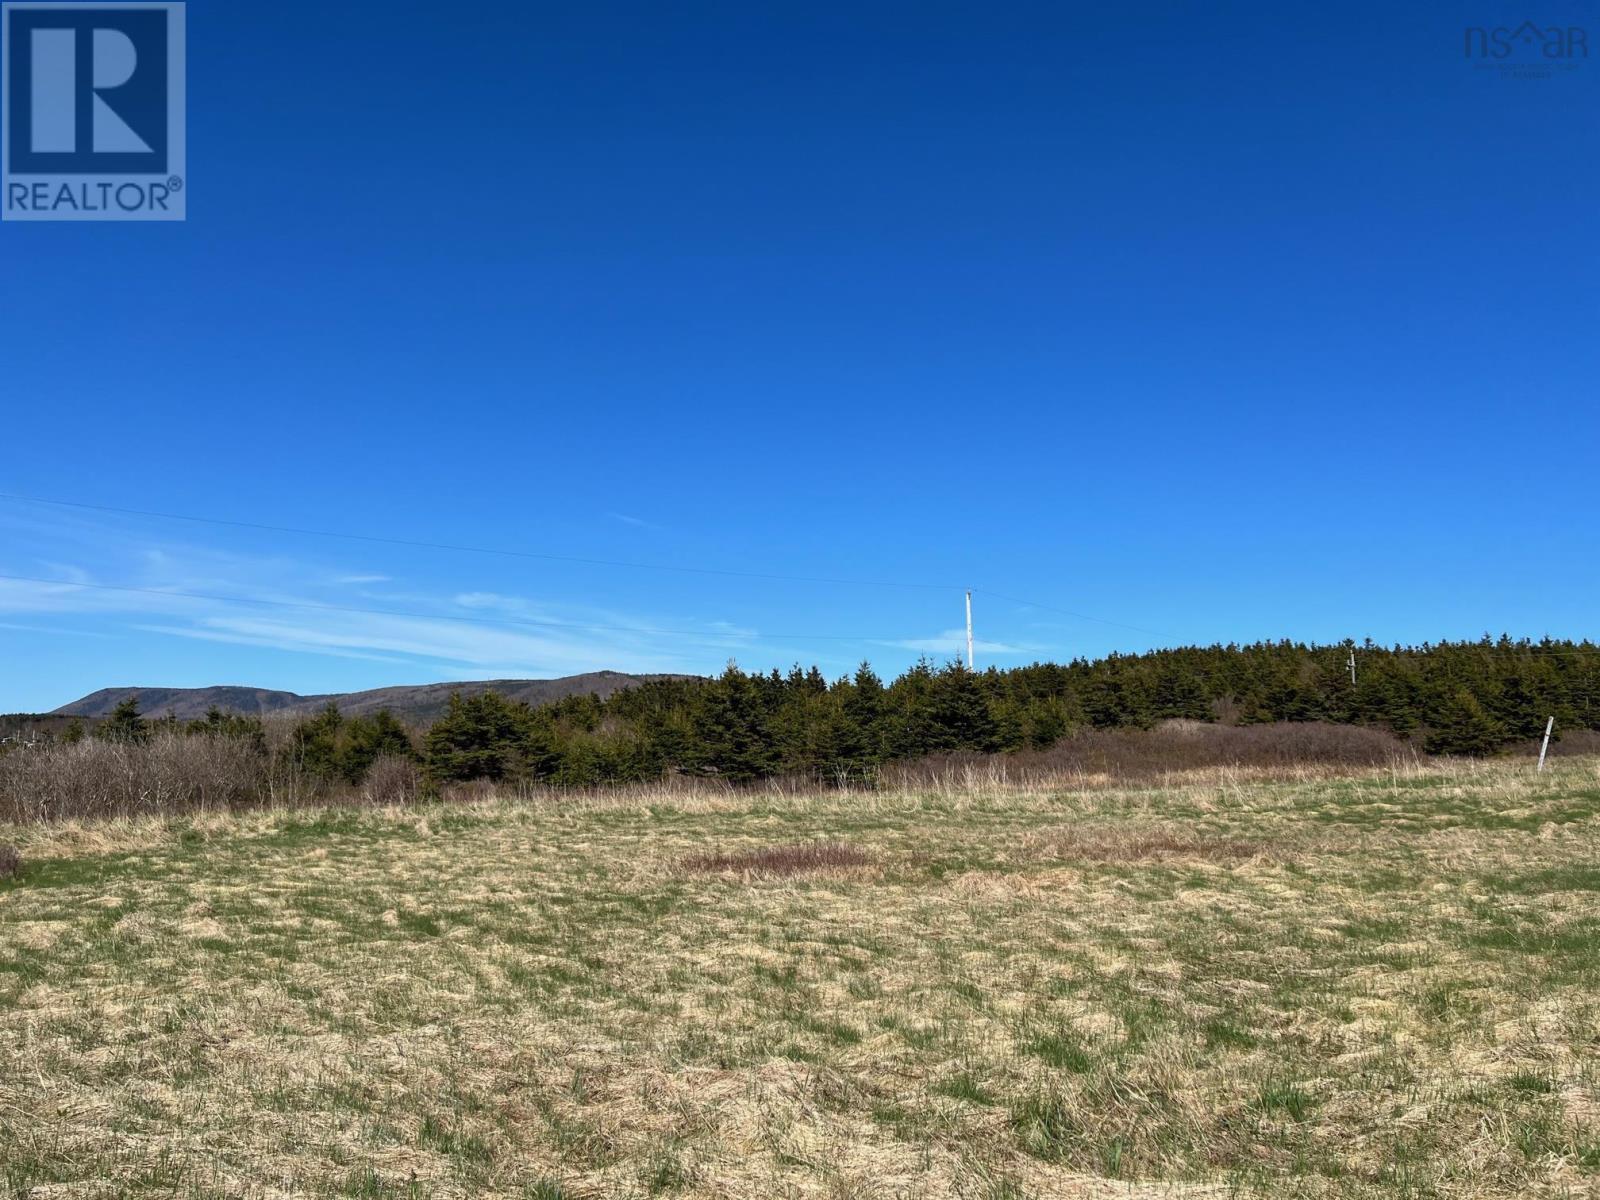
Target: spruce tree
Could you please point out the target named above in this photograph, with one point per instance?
(124, 725)
(315, 743)
(366, 739)
(490, 737)
(1465, 727)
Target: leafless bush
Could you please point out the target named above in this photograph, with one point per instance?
(169, 774)
(477, 791)
(778, 861)
(392, 779)
(1572, 743)
(1174, 746)
(173, 774)
(10, 861)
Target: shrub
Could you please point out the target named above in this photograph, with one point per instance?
(1176, 745)
(331, 747)
(1566, 744)
(392, 779)
(217, 723)
(170, 773)
(369, 740)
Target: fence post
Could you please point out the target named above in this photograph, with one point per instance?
(1548, 726)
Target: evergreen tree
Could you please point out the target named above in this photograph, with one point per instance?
(124, 725)
(732, 724)
(1465, 728)
(861, 704)
(959, 716)
(490, 737)
(1048, 719)
(217, 723)
(366, 739)
(1180, 692)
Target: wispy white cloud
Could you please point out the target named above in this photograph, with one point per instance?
(491, 600)
(505, 635)
(955, 641)
(53, 629)
(29, 596)
(452, 647)
(636, 522)
(437, 633)
(291, 643)
(69, 572)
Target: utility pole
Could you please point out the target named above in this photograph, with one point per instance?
(969, 629)
(1352, 666)
(1548, 726)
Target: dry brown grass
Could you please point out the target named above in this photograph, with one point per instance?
(1032, 992)
(777, 862)
(10, 861)
(1112, 845)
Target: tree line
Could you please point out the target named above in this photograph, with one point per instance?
(1449, 697)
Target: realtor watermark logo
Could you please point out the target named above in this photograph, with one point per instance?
(1526, 51)
(92, 112)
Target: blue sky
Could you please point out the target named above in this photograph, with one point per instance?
(1214, 322)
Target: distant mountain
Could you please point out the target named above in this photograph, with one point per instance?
(418, 703)
(183, 702)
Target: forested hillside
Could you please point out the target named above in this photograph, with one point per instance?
(418, 703)
(1450, 698)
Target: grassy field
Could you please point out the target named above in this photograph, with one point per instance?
(1384, 986)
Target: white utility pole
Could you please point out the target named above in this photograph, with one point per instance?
(1548, 726)
(969, 629)
(1352, 666)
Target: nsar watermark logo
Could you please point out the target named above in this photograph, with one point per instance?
(92, 112)
(1527, 51)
